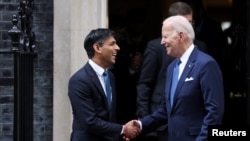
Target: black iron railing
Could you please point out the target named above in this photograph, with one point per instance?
(23, 96)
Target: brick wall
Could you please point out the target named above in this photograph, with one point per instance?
(43, 70)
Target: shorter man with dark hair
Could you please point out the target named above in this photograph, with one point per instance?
(92, 92)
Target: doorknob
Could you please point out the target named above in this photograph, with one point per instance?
(237, 95)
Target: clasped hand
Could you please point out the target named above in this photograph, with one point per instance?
(131, 130)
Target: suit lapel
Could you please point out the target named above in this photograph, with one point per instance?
(97, 83)
(168, 84)
(187, 69)
(112, 81)
(113, 104)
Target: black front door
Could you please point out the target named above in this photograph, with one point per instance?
(235, 67)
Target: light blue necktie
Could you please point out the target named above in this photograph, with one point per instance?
(108, 88)
(174, 81)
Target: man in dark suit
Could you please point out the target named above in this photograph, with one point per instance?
(198, 100)
(151, 85)
(94, 115)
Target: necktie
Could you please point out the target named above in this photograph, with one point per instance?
(174, 81)
(108, 88)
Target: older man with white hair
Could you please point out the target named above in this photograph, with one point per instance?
(195, 97)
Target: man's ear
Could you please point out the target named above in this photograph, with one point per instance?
(97, 48)
(181, 36)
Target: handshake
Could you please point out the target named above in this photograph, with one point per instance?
(131, 130)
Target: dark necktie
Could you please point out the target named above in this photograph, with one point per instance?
(174, 81)
(108, 88)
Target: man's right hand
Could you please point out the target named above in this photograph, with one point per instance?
(131, 130)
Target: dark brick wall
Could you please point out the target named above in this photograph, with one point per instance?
(43, 70)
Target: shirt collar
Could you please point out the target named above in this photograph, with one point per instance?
(99, 70)
(187, 53)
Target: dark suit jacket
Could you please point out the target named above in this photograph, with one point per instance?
(198, 101)
(151, 84)
(200, 45)
(92, 119)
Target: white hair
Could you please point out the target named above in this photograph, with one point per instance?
(181, 24)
